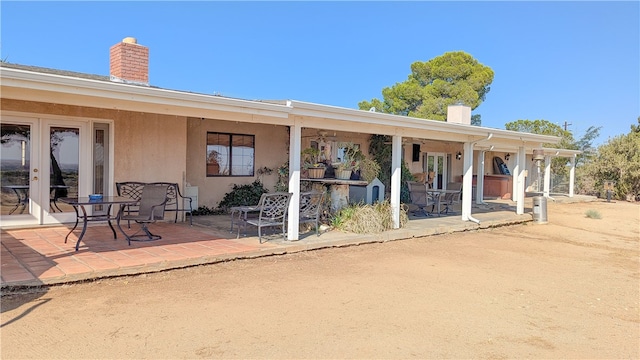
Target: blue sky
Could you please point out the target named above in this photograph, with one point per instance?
(577, 62)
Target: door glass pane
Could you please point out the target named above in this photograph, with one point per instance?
(98, 162)
(440, 172)
(431, 173)
(65, 159)
(14, 168)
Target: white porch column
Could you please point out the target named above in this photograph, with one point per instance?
(480, 178)
(295, 134)
(519, 191)
(547, 175)
(396, 176)
(572, 175)
(467, 181)
(514, 177)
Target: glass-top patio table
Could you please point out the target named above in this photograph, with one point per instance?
(81, 202)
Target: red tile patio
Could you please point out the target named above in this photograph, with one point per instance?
(39, 256)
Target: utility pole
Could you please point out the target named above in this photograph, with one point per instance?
(566, 124)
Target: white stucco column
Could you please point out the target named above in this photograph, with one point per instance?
(519, 191)
(480, 178)
(396, 178)
(295, 148)
(547, 175)
(572, 175)
(467, 181)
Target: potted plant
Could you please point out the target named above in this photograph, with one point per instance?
(311, 163)
(351, 161)
(369, 169)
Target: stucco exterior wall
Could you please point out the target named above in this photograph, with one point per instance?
(271, 151)
(431, 146)
(147, 147)
(150, 147)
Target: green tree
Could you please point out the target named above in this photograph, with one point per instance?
(636, 128)
(567, 141)
(454, 77)
(476, 120)
(542, 127)
(617, 160)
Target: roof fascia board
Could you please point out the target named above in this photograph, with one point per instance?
(360, 116)
(529, 150)
(561, 152)
(346, 126)
(204, 111)
(116, 91)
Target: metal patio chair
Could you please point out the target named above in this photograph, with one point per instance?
(311, 207)
(150, 209)
(273, 212)
(420, 197)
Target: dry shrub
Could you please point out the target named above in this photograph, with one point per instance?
(368, 219)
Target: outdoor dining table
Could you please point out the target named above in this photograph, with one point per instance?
(437, 193)
(109, 201)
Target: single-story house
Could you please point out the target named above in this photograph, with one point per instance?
(99, 130)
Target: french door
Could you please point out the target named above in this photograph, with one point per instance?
(43, 160)
(435, 165)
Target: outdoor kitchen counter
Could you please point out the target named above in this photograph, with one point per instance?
(338, 190)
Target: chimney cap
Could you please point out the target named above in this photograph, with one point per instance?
(130, 40)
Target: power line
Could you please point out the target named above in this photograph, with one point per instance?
(566, 124)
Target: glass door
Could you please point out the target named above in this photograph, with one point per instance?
(19, 168)
(435, 165)
(42, 160)
(66, 155)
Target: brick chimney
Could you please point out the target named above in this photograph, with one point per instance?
(129, 62)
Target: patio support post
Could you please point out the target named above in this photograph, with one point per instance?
(480, 178)
(295, 135)
(520, 181)
(514, 177)
(572, 175)
(547, 175)
(396, 175)
(467, 181)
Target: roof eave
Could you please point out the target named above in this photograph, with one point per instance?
(89, 88)
(473, 132)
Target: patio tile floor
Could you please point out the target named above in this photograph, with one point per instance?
(39, 256)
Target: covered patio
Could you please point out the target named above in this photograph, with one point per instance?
(38, 256)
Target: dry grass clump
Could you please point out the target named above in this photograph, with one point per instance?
(593, 214)
(367, 219)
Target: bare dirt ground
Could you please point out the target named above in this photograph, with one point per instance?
(567, 289)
